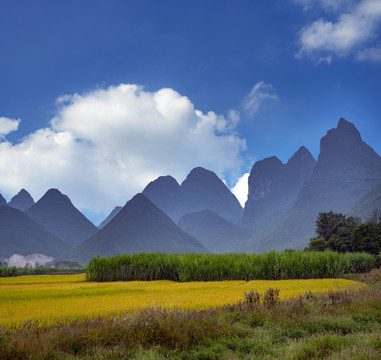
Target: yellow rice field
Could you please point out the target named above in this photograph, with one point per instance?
(51, 298)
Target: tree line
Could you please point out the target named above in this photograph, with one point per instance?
(339, 233)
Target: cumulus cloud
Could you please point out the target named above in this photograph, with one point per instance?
(241, 189)
(260, 93)
(8, 125)
(355, 27)
(104, 146)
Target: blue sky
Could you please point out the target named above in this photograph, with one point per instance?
(218, 84)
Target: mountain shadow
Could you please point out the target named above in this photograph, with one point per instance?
(369, 202)
(214, 232)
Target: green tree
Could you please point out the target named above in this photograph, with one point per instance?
(317, 244)
(326, 224)
(366, 237)
(375, 218)
(334, 232)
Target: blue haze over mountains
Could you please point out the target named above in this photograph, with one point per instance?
(201, 214)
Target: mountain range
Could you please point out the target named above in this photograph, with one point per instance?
(346, 170)
(202, 189)
(201, 214)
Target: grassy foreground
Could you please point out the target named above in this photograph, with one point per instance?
(333, 325)
(48, 299)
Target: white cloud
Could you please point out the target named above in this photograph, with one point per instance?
(356, 25)
(8, 125)
(324, 59)
(371, 54)
(241, 189)
(105, 146)
(260, 93)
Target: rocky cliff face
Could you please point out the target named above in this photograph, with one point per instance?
(274, 187)
(31, 260)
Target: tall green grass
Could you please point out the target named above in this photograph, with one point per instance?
(15, 271)
(206, 267)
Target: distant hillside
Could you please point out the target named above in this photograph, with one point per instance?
(22, 235)
(274, 187)
(214, 232)
(165, 193)
(112, 214)
(369, 202)
(22, 201)
(201, 190)
(347, 169)
(139, 227)
(56, 212)
(3, 202)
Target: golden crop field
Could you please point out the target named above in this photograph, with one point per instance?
(50, 298)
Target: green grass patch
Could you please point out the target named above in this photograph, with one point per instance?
(211, 267)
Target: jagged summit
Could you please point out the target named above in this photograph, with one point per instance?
(345, 135)
(348, 127)
(198, 175)
(203, 189)
(22, 201)
(164, 192)
(163, 184)
(273, 188)
(56, 212)
(342, 148)
(166, 180)
(268, 164)
(302, 153)
(55, 194)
